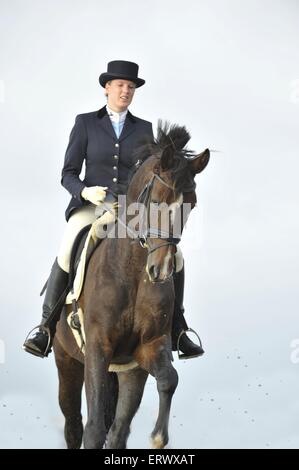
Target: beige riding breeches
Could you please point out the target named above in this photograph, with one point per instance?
(81, 218)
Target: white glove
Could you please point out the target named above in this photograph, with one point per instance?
(94, 194)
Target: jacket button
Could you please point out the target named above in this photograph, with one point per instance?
(116, 157)
(116, 145)
(114, 180)
(115, 168)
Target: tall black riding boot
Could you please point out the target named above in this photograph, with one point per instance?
(179, 324)
(40, 345)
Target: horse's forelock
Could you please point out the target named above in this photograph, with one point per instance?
(172, 136)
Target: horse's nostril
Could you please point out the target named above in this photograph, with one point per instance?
(154, 272)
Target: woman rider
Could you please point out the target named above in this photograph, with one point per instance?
(105, 140)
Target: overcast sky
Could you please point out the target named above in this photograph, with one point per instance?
(229, 71)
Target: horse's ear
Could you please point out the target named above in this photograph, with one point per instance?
(167, 158)
(199, 162)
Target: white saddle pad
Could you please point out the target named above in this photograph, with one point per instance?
(90, 243)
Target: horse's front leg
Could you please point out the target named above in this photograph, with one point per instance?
(155, 357)
(131, 386)
(97, 359)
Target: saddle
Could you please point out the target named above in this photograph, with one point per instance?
(85, 244)
(87, 240)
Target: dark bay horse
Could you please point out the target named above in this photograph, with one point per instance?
(128, 303)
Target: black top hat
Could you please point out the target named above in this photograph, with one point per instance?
(121, 69)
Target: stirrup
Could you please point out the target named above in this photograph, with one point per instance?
(33, 351)
(182, 355)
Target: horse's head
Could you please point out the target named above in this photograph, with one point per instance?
(165, 187)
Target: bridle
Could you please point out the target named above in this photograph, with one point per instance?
(145, 232)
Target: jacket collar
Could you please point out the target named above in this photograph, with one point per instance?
(103, 111)
(104, 121)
